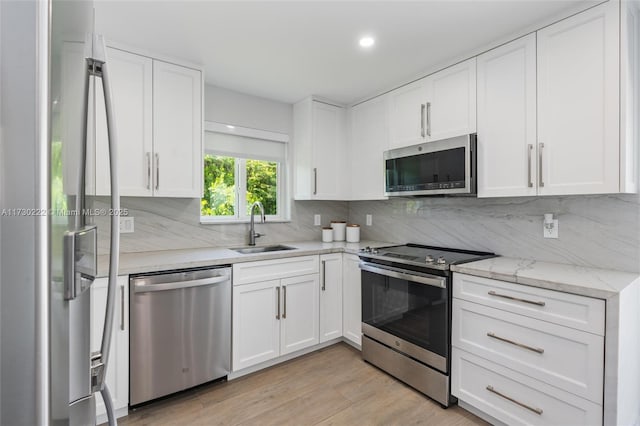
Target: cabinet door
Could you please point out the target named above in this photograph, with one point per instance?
(407, 114)
(352, 299)
(118, 369)
(330, 296)
(131, 85)
(451, 101)
(328, 148)
(369, 139)
(299, 324)
(507, 120)
(177, 130)
(256, 324)
(578, 103)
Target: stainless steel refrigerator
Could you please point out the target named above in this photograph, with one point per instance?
(79, 69)
(51, 65)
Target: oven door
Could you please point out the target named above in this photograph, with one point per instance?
(433, 168)
(407, 311)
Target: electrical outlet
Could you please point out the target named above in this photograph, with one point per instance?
(369, 219)
(126, 224)
(317, 220)
(550, 230)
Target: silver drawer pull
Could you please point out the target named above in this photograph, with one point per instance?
(517, 299)
(521, 345)
(538, 411)
(278, 297)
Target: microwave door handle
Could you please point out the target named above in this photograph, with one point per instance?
(434, 281)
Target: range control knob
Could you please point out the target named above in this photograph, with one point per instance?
(429, 259)
(374, 251)
(441, 261)
(367, 249)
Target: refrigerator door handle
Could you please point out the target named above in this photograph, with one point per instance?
(101, 70)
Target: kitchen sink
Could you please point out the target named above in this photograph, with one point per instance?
(262, 249)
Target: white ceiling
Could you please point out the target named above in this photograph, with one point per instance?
(289, 50)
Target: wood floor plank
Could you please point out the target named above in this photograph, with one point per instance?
(332, 386)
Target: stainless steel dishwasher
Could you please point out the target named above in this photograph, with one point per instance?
(180, 331)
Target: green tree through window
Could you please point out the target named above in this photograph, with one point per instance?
(222, 174)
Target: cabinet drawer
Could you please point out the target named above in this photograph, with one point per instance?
(514, 398)
(263, 270)
(570, 310)
(560, 356)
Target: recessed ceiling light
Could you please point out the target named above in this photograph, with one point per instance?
(229, 126)
(367, 42)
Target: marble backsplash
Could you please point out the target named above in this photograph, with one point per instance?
(599, 231)
(173, 223)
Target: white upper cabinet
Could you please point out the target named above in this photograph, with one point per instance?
(578, 103)
(629, 95)
(439, 106)
(177, 130)
(507, 120)
(407, 114)
(451, 101)
(131, 80)
(319, 151)
(368, 140)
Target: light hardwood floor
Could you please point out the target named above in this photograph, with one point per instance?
(332, 386)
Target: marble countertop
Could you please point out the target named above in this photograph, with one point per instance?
(165, 260)
(592, 282)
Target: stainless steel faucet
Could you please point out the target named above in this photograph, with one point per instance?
(252, 232)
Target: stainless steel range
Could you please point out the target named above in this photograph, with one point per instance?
(406, 313)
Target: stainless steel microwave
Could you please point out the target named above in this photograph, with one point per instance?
(444, 167)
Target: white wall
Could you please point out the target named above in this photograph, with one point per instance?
(229, 107)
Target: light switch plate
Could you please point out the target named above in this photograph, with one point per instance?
(126, 225)
(317, 220)
(369, 219)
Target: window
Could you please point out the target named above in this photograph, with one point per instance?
(238, 171)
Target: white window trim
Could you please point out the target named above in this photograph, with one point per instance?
(281, 183)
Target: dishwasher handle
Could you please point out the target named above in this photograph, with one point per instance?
(144, 288)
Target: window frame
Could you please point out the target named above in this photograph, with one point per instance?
(282, 167)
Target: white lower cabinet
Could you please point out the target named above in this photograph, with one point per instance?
(256, 325)
(299, 317)
(273, 317)
(514, 398)
(351, 299)
(330, 296)
(525, 355)
(117, 378)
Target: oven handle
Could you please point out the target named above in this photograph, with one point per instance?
(412, 276)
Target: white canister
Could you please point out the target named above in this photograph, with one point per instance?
(353, 233)
(339, 229)
(327, 235)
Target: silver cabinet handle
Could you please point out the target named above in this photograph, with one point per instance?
(529, 150)
(422, 108)
(324, 275)
(315, 181)
(278, 314)
(122, 307)
(428, 118)
(517, 299)
(521, 345)
(148, 170)
(540, 180)
(284, 299)
(538, 411)
(157, 171)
